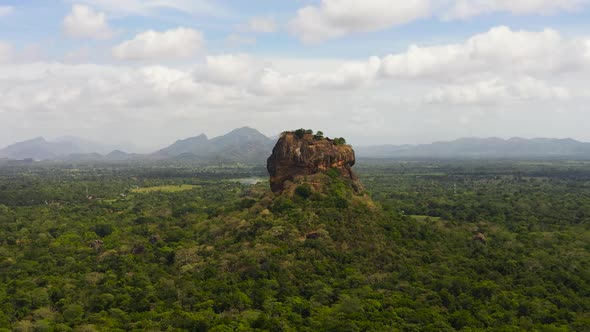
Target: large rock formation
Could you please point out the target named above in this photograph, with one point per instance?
(298, 156)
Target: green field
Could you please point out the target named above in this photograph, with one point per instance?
(424, 218)
(165, 189)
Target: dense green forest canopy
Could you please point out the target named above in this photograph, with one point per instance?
(471, 246)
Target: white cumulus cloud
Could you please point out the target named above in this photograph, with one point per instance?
(230, 69)
(84, 22)
(513, 77)
(500, 49)
(498, 91)
(336, 18)
(498, 55)
(153, 45)
(259, 77)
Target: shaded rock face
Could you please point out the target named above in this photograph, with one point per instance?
(294, 157)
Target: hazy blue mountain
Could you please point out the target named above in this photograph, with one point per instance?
(118, 155)
(483, 148)
(193, 145)
(244, 145)
(66, 148)
(39, 149)
(240, 145)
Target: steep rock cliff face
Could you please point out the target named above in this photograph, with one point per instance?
(295, 158)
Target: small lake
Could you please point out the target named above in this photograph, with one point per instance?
(249, 181)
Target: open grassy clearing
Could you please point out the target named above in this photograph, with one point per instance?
(424, 218)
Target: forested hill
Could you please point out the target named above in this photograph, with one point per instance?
(483, 148)
(459, 247)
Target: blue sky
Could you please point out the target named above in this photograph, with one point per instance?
(212, 65)
(40, 22)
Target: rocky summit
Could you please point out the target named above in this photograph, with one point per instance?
(300, 155)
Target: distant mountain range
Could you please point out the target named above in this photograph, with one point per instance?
(482, 148)
(59, 149)
(244, 145)
(41, 149)
(247, 145)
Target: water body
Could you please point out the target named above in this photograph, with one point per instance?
(250, 181)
